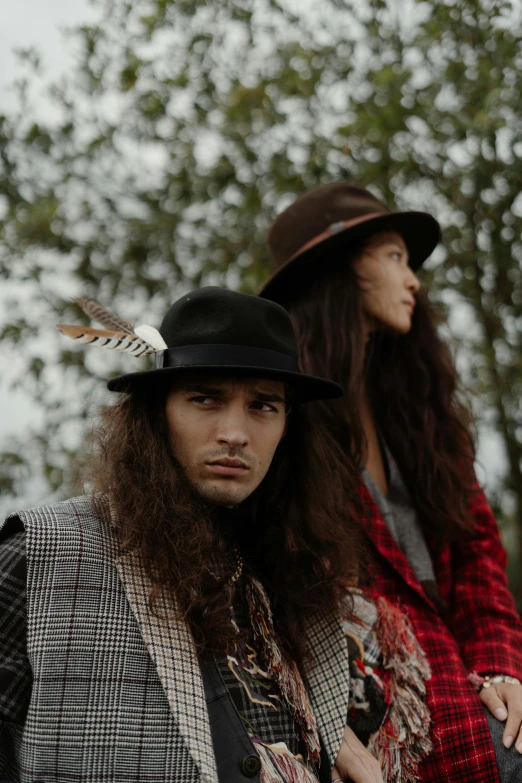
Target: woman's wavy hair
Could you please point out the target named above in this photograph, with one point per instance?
(303, 543)
(412, 386)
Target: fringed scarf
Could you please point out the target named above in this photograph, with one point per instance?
(281, 667)
(392, 662)
(278, 764)
(404, 738)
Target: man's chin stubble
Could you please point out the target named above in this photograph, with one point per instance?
(218, 496)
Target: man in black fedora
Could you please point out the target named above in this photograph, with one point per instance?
(163, 627)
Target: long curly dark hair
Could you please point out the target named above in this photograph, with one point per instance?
(412, 386)
(303, 543)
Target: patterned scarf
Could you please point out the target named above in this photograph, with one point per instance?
(390, 661)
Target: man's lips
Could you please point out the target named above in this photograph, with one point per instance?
(410, 305)
(227, 466)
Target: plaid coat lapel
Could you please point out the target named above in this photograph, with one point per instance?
(171, 647)
(327, 675)
(377, 531)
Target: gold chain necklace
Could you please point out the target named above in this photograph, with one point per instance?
(237, 573)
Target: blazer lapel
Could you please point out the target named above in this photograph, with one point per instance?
(171, 647)
(379, 534)
(327, 674)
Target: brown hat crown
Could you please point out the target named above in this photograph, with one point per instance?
(328, 220)
(313, 212)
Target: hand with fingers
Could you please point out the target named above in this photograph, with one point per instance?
(355, 763)
(504, 701)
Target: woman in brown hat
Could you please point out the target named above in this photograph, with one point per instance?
(346, 270)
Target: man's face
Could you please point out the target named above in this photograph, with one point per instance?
(224, 433)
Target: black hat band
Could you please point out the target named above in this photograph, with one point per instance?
(216, 355)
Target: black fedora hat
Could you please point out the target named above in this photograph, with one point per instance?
(220, 332)
(310, 232)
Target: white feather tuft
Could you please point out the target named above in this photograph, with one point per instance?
(151, 336)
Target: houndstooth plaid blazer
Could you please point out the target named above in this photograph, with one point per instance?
(117, 692)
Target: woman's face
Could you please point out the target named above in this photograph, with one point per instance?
(387, 282)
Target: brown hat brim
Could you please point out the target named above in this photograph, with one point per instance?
(420, 231)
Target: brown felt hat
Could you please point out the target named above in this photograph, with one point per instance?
(308, 234)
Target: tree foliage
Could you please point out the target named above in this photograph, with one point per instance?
(158, 161)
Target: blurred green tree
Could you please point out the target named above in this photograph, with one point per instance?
(158, 161)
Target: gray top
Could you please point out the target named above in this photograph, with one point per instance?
(401, 517)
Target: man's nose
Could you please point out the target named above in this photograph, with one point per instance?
(233, 430)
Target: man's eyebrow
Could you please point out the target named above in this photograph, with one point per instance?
(207, 391)
(262, 396)
(219, 391)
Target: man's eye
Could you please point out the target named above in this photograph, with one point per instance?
(263, 406)
(396, 255)
(202, 400)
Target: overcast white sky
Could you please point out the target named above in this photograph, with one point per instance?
(39, 23)
(36, 23)
(24, 24)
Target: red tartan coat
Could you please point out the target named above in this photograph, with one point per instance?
(479, 630)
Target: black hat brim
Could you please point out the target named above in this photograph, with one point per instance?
(420, 231)
(307, 387)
